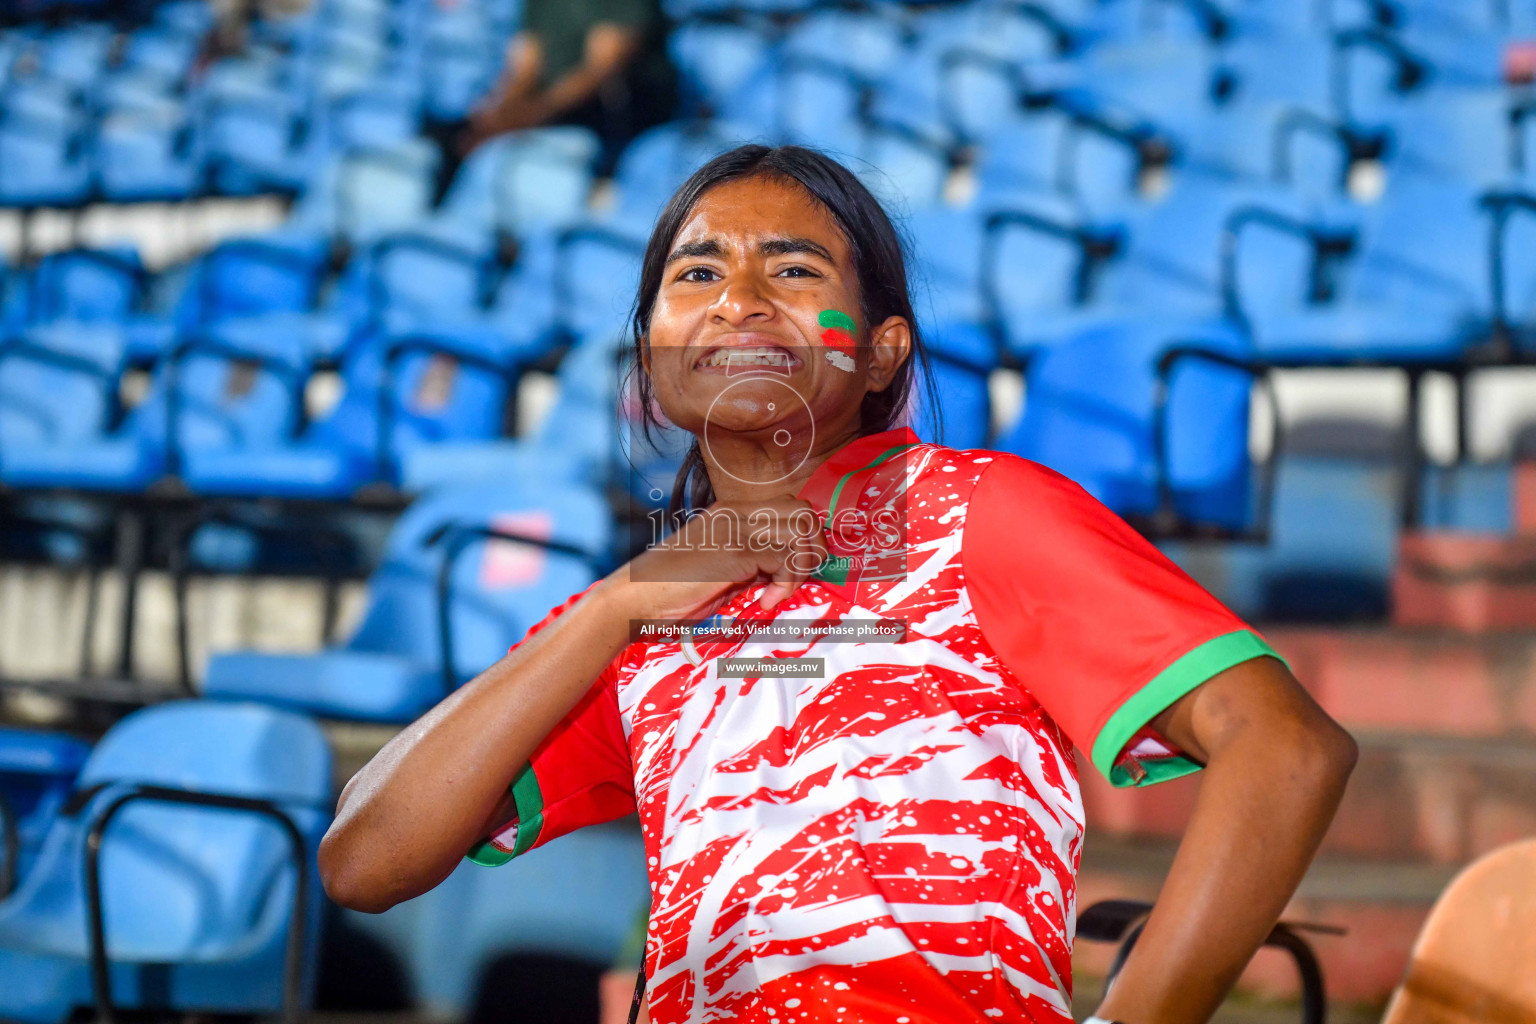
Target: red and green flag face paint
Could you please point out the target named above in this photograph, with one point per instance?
(839, 330)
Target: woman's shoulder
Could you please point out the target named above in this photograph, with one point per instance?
(938, 464)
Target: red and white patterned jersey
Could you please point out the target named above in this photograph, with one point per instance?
(896, 838)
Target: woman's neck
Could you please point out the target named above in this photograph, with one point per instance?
(744, 469)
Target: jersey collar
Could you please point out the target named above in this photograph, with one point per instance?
(831, 477)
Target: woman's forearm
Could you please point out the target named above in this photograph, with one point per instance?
(406, 819)
(1265, 802)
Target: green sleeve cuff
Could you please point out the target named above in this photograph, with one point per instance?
(528, 803)
(1189, 671)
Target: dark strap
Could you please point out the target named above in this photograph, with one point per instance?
(634, 1007)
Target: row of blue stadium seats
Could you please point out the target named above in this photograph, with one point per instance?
(234, 928)
(899, 92)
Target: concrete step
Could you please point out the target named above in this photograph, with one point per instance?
(1382, 904)
(1417, 680)
(1434, 799)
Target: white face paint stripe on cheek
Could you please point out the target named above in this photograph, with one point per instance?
(840, 360)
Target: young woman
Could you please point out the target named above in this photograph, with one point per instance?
(846, 822)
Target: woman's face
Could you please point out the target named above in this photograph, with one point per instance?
(756, 274)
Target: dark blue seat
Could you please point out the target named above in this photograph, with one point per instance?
(393, 667)
(197, 901)
(37, 771)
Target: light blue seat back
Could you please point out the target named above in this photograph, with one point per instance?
(1033, 271)
(944, 268)
(225, 402)
(368, 193)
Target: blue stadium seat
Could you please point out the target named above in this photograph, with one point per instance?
(1040, 260)
(363, 194)
(197, 901)
(579, 897)
(148, 153)
(1165, 259)
(37, 771)
(75, 54)
(867, 42)
(255, 132)
(1480, 136)
(944, 268)
(1090, 414)
(163, 52)
(461, 57)
(905, 168)
(393, 668)
(277, 272)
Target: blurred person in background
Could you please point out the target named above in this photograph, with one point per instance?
(601, 64)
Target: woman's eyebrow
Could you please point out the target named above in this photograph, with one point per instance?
(707, 249)
(793, 246)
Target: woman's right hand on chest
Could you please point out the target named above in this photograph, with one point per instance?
(720, 550)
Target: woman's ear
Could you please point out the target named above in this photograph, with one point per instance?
(890, 345)
(645, 353)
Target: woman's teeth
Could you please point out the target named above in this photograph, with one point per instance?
(747, 357)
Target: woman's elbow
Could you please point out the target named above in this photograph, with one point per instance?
(1328, 752)
(350, 879)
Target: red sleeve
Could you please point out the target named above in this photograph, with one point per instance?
(579, 775)
(1096, 623)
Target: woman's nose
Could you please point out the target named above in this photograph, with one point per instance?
(742, 299)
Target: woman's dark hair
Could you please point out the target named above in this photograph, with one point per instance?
(873, 244)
